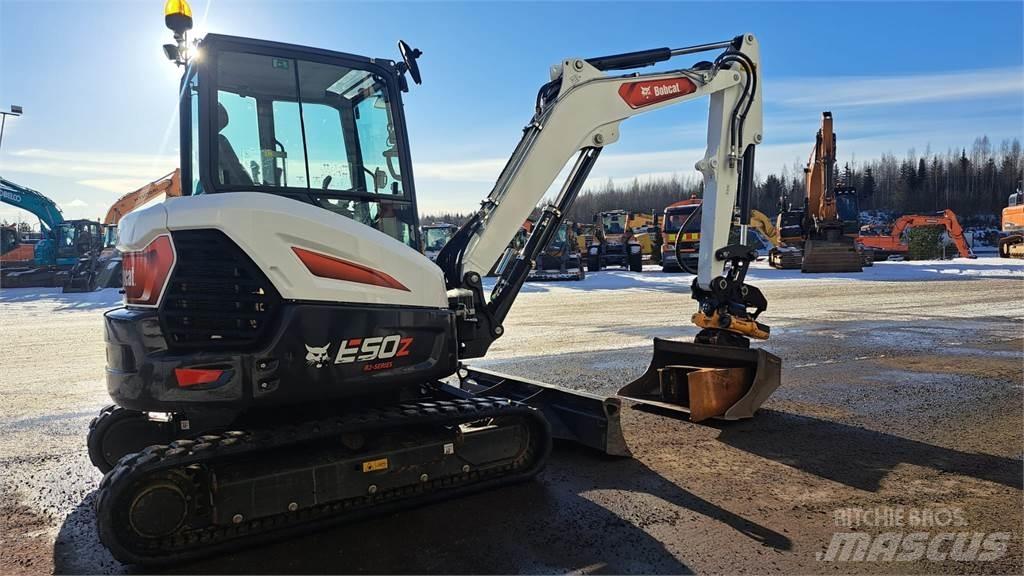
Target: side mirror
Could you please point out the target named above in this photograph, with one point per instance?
(409, 56)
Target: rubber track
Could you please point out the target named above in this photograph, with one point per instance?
(95, 454)
(210, 449)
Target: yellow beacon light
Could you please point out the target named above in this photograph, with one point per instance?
(178, 16)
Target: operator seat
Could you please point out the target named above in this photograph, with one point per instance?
(229, 170)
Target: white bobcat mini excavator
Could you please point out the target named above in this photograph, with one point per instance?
(283, 356)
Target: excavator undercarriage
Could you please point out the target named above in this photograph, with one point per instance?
(195, 497)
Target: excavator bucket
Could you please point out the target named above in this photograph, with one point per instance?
(706, 381)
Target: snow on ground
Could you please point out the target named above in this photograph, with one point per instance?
(652, 278)
(912, 271)
(52, 299)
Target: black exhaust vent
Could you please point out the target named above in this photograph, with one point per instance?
(217, 298)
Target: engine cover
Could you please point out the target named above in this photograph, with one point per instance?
(275, 232)
(318, 352)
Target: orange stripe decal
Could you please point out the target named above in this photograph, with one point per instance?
(326, 266)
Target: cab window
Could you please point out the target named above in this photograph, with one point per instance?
(322, 132)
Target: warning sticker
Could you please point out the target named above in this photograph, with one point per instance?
(375, 465)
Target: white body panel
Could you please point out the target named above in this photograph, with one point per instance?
(267, 227)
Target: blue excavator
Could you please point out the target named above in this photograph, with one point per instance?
(62, 242)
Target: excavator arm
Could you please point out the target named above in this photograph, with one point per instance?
(169, 185)
(818, 182)
(894, 241)
(579, 113)
(956, 232)
(762, 223)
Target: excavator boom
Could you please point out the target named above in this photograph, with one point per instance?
(818, 175)
(579, 112)
(168, 185)
(763, 224)
(50, 217)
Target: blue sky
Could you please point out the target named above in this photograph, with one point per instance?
(99, 96)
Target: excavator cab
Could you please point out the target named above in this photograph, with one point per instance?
(326, 129)
(109, 236)
(848, 209)
(76, 238)
(790, 225)
(614, 245)
(9, 239)
(435, 236)
(681, 240)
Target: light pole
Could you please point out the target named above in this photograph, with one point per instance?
(15, 111)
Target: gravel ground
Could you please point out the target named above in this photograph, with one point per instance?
(899, 394)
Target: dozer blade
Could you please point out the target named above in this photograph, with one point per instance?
(706, 381)
(823, 256)
(554, 276)
(78, 283)
(574, 416)
(109, 274)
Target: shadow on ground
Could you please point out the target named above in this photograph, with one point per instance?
(544, 526)
(554, 524)
(855, 456)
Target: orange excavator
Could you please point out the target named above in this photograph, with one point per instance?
(12, 249)
(102, 268)
(893, 242)
(1011, 240)
(830, 217)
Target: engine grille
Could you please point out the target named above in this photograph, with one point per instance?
(216, 298)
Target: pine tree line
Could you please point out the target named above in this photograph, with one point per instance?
(971, 182)
(648, 195)
(974, 183)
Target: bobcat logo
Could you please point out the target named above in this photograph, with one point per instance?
(645, 91)
(317, 355)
